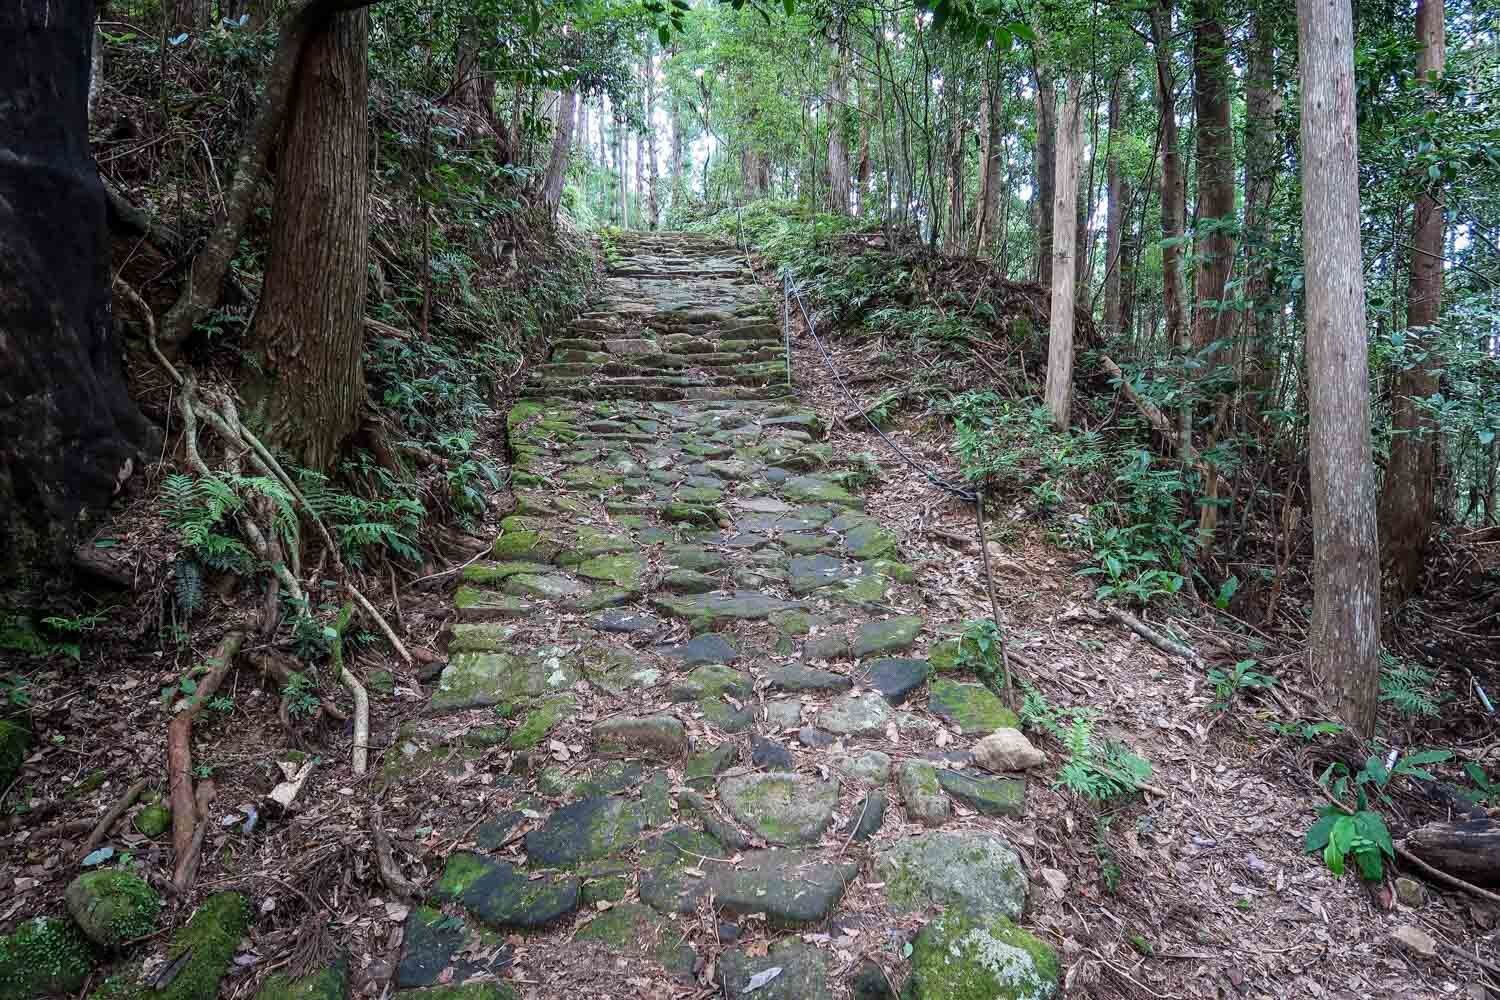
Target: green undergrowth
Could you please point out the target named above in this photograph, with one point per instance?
(205, 943)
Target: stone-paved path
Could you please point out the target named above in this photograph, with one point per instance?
(693, 656)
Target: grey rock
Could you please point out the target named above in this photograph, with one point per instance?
(786, 809)
(921, 794)
(872, 766)
(770, 755)
(797, 677)
(864, 714)
(868, 817)
(803, 976)
(889, 636)
(585, 831)
(661, 735)
(783, 713)
(897, 678)
(969, 870)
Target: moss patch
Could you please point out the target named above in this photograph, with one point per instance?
(331, 983)
(961, 957)
(44, 955)
(208, 940)
(112, 907)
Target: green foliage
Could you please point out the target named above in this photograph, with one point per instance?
(301, 694)
(1307, 732)
(1228, 684)
(1096, 769)
(43, 955)
(202, 509)
(1409, 687)
(979, 651)
(1362, 835)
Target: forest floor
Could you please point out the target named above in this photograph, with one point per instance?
(673, 660)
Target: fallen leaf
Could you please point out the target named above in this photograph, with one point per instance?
(761, 978)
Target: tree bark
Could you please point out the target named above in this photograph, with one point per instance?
(562, 147)
(201, 291)
(989, 179)
(1115, 213)
(69, 432)
(1173, 197)
(1344, 640)
(308, 331)
(838, 150)
(653, 201)
(1046, 171)
(1064, 246)
(1407, 497)
(188, 15)
(1261, 105)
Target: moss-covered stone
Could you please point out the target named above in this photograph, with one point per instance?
(205, 943)
(475, 604)
(784, 808)
(153, 820)
(43, 955)
(540, 720)
(112, 907)
(468, 991)
(702, 768)
(328, 983)
(503, 897)
(973, 708)
(963, 957)
(889, 636)
(585, 831)
(494, 572)
(625, 570)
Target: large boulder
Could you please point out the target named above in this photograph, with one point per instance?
(960, 956)
(112, 907)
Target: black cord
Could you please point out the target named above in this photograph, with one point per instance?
(963, 493)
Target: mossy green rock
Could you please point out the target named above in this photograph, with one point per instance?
(205, 944)
(481, 637)
(435, 942)
(639, 930)
(43, 955)
(784, 808)
(112, 907)
(959, 956)
(969, 870)
(712, 680)
(990, 796)
(475, 604)
(328, 983)
(803, 976)
(973, 708)
(889, 636)
(702, 768)
(474, 680)
(585, 831)
(627, 570)
(502, 896)
(153, 820)
(811, 489)
(540, 720)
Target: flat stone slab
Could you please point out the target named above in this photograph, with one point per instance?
(624, 621)
(433, 944)
(873, 766)
(897, 678)
(662, 736)
(964, 955)
(921, 793)
(585, 831)
(790, 887)
(783, 808)
(892, 635)
(474, 680)
(806, 574)
(711, 647)
(712, 680)
(971, 708)
(812, 489)
(977, 872)
(504, 897)
(705, 612)
(990, 796)
(868, 817)
(864, 714)
(665, 882)
(797, 677)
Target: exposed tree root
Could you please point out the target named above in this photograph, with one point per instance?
(385, 860)
(180, 746)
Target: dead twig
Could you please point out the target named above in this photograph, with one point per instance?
(1161, 642)
(110, 818)
(180, 749)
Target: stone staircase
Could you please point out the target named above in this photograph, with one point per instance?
(694, 731)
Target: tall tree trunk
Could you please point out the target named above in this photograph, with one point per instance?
(642, 202)
(1173, 196)
(1215, 247)
(1261, 105)
(1344, 640)
(988, 201)
(838, 150)
(309, 325)
(1046, 171)
(69, 432)
(1115, 213)
(1064, 246)
(956, 221)
(862, 168)
(1407, 498)
(562, 146)
(653, 202)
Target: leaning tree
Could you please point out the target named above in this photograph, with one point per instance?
(69, 433)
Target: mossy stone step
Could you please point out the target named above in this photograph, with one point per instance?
(502, 896)
(587, 830)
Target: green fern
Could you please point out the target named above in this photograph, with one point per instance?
(1409, 687)
(188, 585)
(1096, 769)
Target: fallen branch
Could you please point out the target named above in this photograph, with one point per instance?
(356, 689)
(390, 633)
(179, 744)
(110, 818)
(1453, 880)
(390, 872)
(1154, 637)
(187, 863)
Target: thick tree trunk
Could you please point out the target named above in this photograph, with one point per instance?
(1344, 640)
(1407, 497)
(1173, 198)
(653, 201)
(1215, 210)
(988, 201)
(1261, 105)
(201, 291)
(838, 150)
(862, 168)
(69, 432)
(562, 147)
(1114, 186)
(1064, 246)
(1046, 172)
(308, 331)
